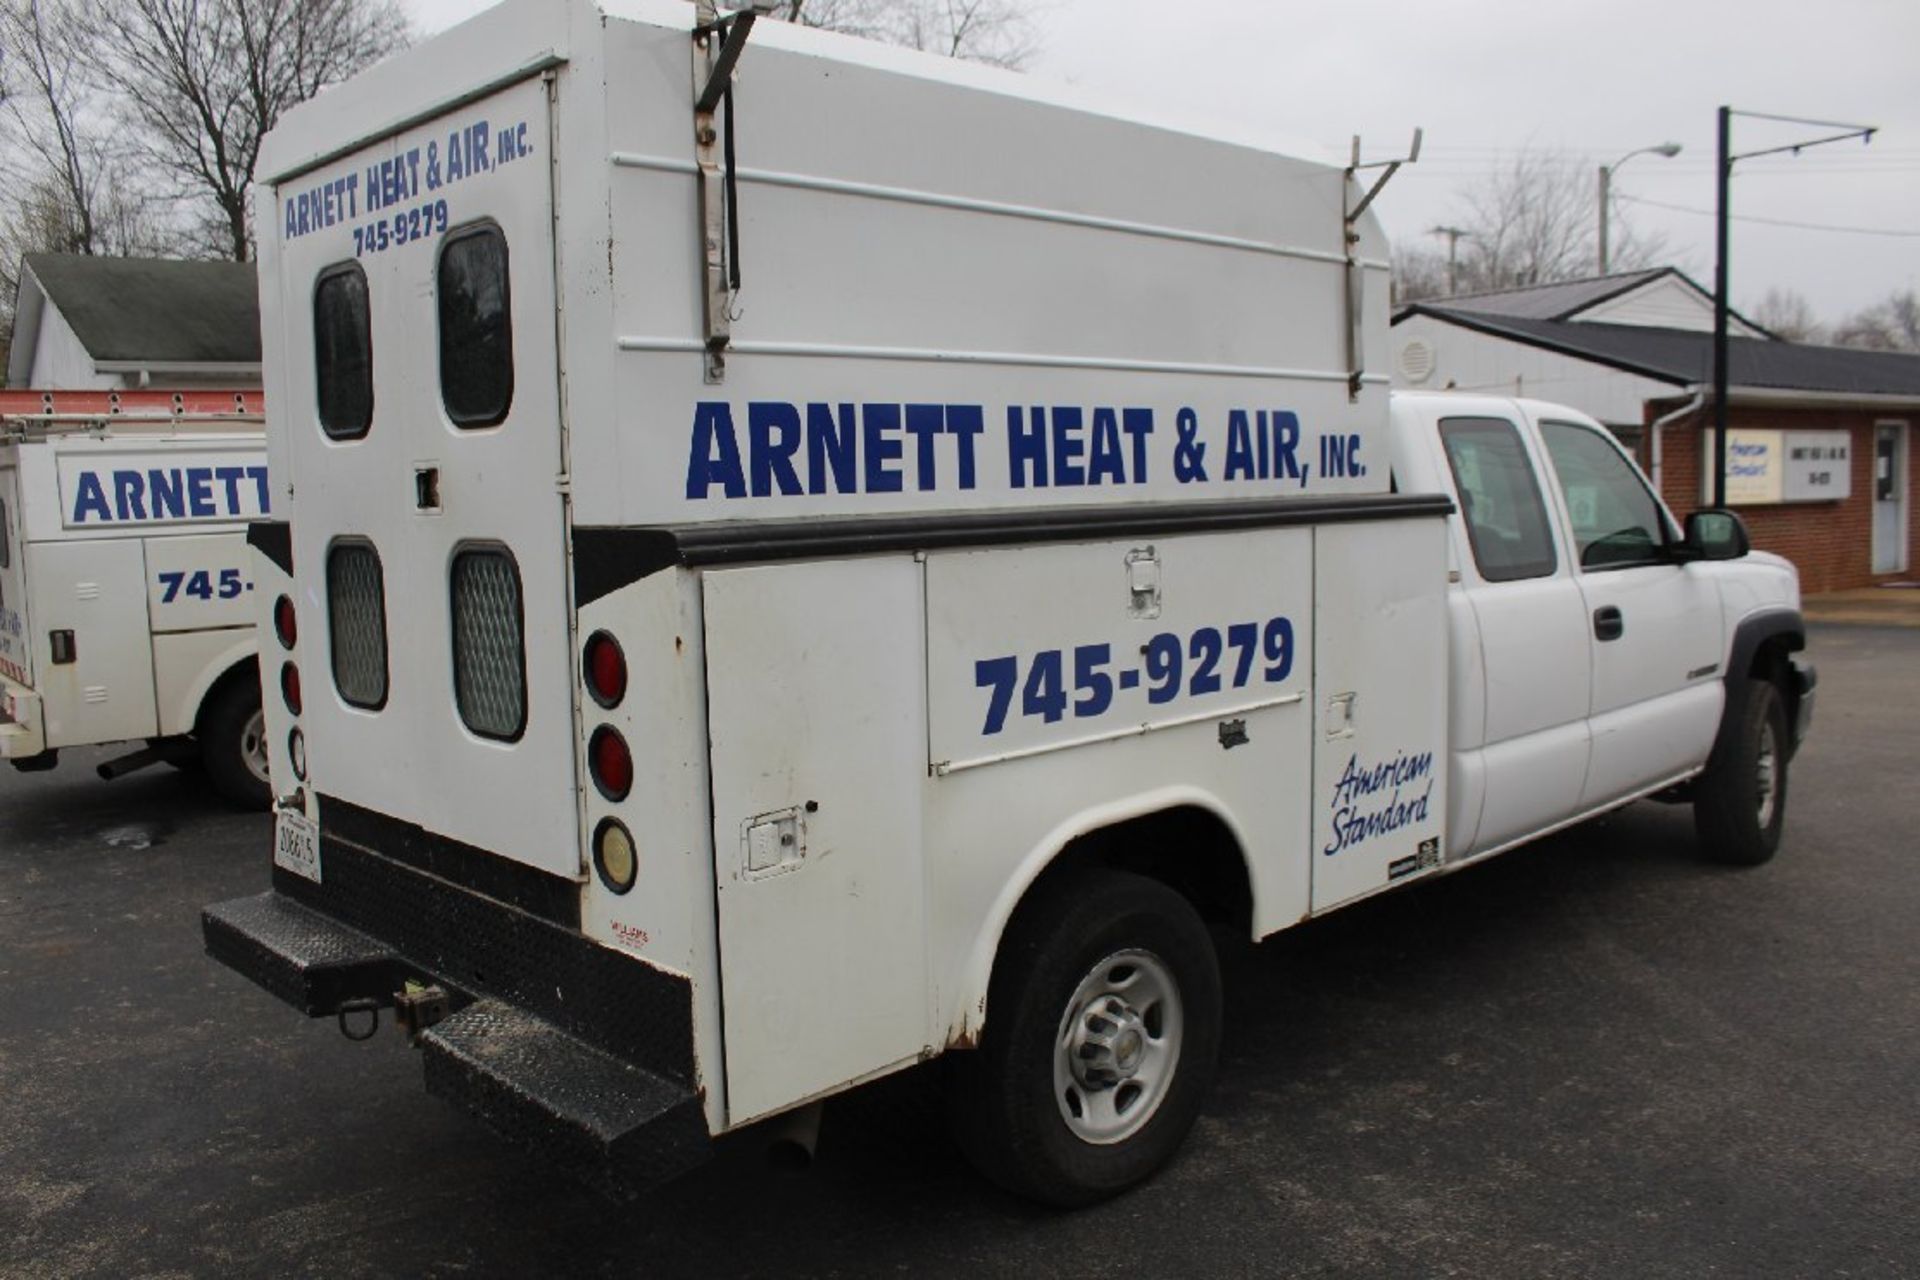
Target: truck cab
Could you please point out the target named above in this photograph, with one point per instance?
(1598, 649)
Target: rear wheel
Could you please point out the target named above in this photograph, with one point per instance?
(1740, 802)
(232, 734)
(1103, 1025)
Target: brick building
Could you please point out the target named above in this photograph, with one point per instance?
(1822, 466)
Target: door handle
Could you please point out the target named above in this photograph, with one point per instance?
(1608, 624)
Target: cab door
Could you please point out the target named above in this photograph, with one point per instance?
(1529, 760)
(428, 510)
(1654, 626)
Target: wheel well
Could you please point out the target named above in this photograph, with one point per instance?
(1188, 849)
(245, 669)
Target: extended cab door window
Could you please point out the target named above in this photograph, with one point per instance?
(1499, 498)
(1616, 520)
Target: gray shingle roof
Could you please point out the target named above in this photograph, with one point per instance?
(155, 310)
(1551, 301)
(1685, 357)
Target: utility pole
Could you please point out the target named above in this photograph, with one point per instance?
(1723, 173)
(1453, 235)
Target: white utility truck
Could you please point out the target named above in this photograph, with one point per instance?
(125, 577)
(799, 574)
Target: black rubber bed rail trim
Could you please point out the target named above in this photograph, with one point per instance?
(606, 559)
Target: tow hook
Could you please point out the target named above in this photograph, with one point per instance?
(418, 1006)
(348, 1008)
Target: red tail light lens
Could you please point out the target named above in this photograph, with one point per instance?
(606, 669)
(283, 622)
(290, 686)
(610, 762)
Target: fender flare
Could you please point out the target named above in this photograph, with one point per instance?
(217, 668)
(1762, 627)
(967, 1009)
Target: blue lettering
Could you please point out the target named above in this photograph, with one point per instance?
(830, 444)
(200, 491)
(1106, 464)
(770, 459)
(231, 477)
(1027, 447)
(1068, 447)
(129, 495)
(879, 423)
(1138, 424)
(1286, 442)
(90, 498)
(715, 455)
(923, 424)
(292, 224)
(164, 490)
(964, 422)
(1239, 446)
(259, 477)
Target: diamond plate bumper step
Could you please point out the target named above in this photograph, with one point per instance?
(614, 1126)
(311, 962)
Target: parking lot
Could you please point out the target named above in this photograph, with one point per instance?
(1596, 1057)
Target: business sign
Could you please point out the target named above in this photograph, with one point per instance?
(167, 487)
(1770, 467)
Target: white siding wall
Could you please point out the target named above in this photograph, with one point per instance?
(1664, 304)
(59, 361)
(1468, 361)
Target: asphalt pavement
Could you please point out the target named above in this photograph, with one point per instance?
(1594, 1057)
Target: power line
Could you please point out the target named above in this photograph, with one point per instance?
(1779, 222)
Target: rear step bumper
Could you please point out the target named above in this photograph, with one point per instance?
(609, 1122)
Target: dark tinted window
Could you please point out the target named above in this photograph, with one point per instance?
(357, 623)
(343, 351)
(489, 643)
(476, 327)
(1499, 498)
(1615, 518)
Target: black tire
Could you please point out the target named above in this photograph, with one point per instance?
(1086, 928)
(229, 736)
(1740, 801)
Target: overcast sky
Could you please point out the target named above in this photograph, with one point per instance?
(1486, 78)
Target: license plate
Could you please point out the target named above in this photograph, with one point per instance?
(296, 844)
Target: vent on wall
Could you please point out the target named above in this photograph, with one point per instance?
(1417, 360)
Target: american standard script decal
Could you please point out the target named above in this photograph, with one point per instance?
(1373, 798)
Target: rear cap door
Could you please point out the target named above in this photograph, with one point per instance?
(429, 524)
(15, 660)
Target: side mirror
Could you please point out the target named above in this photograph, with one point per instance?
(1714, 534)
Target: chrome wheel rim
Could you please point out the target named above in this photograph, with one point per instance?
(1118, 1047)
(253, 745)
(1767, 776)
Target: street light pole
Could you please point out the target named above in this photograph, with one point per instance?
(1723, 173)
(1667, 149)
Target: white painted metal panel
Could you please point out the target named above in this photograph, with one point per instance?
(498, 486)
(816, 694)
(186, 664)
(1040, 648)
(16, 660)
(199, 582)
(97, 590)
(1380, 706)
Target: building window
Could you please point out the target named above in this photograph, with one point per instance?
(476, 327)
(343, 351)
(1499, 498)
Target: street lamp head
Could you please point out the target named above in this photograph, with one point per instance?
(1667, 149)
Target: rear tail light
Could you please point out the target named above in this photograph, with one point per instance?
(610, 762)
(614, 856)
(606, 669)
(297, 754)
(290, 686)
(284, 624)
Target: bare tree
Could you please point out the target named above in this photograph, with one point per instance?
(1786, 314)
(1892, 324)
(998, 32)
(1533, 221)
(205, 79)
(1418, 273)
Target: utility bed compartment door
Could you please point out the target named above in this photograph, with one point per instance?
(816, 697)
(97, 590)
(15, 661)
(1380, 688)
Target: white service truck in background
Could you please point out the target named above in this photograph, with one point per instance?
(802, 573)
(125, 577)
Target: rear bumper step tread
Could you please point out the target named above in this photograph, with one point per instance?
(615, 1126)
(308, 960)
